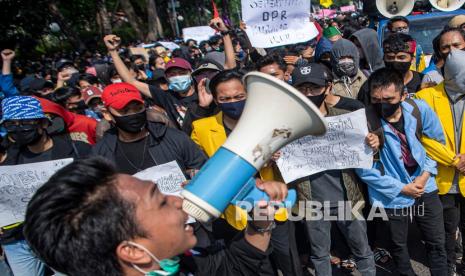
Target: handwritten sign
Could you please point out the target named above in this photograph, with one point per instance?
(199, 33)
(139, 51)
(350, 8)
(342, 147)
(272, 23)
(168, 177)
(169, 45)
(19, 183)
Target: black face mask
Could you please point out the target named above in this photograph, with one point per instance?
(141, 67)
(80, 108)
(24, 137)
(386, 110)
(133, 123)
(402, 67)
(317, 100)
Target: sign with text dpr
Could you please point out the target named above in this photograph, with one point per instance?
(272, 23)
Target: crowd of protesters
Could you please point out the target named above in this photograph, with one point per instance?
(118, 113)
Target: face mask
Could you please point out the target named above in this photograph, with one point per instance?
(141, 67)
(232, 110)
(386, 110)
(80, 108)
(289, 81)
(402, 31)
(25, 136)
(241, 55)
(133, 123)
(168, 266)
(180, 84)
(347, 68)
(116, 81)
(317, 100)
(208, 49)
(402, 67)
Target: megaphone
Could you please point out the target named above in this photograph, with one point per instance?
(447, 5)
(275, 114)
(391, 8)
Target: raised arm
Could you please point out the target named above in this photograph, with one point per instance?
(6, 82)
(218, 24)
(112, 43)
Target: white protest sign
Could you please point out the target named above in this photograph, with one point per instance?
(169, 45)
(272, 23)
(342, 147)
(168, 177)
(199, 33)
(19, 183)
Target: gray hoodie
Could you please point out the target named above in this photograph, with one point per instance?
(371, 50)
(454, 74)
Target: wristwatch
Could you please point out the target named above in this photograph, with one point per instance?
(262, 230)
(223, 33)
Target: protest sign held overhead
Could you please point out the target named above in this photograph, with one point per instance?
(18, 183)
(167, 176)
(342, 147)
(279, 22)
(199, 33)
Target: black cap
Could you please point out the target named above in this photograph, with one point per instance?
(310, 73)
(62, 63)
(39, 84)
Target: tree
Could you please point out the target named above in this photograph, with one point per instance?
(133, 19)
(103, 15)
(155, 29)
(65, 26)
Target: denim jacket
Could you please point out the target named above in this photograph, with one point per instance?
(385, 190)
(7, 88)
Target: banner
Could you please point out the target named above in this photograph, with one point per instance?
(342, 147)
(19, 183)
(199, 33)
(168, 177)
(272, 23)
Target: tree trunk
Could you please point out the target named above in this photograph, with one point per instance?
(154, 24)
(65, 26)
(103, 15)
(132, 17)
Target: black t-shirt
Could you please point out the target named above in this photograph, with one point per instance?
(134, 156)
(174, 104)
(349, 104)
(26, 156)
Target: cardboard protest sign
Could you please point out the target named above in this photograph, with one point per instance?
(19, 183)
(342, 147)
(277, 23)
(139, 51)
(199, 33)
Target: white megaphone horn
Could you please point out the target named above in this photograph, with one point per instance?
(391, 8)
(447, 5)
(275, 114)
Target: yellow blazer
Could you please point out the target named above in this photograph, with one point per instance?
(210, 135)
(444, 155)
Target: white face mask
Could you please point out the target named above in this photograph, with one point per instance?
(168, 266)
(116, 81)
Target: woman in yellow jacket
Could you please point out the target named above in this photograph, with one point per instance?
(210, 133)
(448, 101)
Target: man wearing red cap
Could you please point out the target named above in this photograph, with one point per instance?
(182, 103)
(135, 144)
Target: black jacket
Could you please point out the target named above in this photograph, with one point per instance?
(239, 258)
(166, 144)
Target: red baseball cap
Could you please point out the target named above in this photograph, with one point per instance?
(178, 63)
(90, 93)
(118, 95)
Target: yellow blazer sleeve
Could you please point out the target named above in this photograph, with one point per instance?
(439, 152)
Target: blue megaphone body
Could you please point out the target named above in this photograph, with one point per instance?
(275, 114)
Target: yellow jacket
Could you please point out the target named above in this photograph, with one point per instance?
(210, 135)
(444, 155)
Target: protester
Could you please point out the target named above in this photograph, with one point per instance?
(371, 56)
(405, 187)
(451, 38)
(89, 219)
(6, 79)
(135, 144)
(332, 33)
(345, 60)
(26, 124)
(315, 82)
(447, 100)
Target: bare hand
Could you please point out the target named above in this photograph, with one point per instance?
(218, 24)
(205, 98)
(8, 55)
(63, 76)
(413, 190)
(461, 164)
(242, 25)
(277, 192)
(276, 156)
(372, 140)
(112, 42)
(291, 59)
